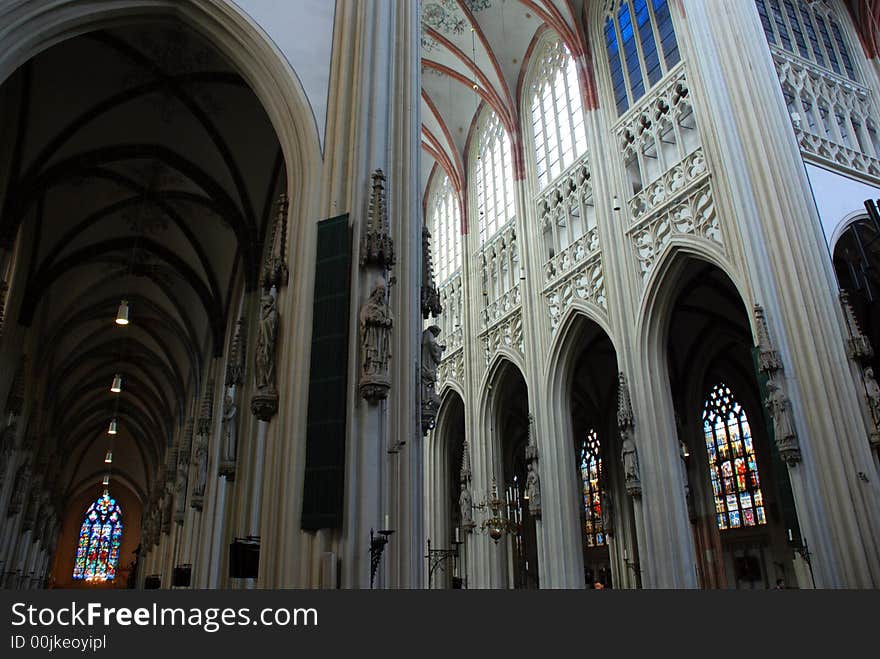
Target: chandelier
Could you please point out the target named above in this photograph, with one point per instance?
(496, 524)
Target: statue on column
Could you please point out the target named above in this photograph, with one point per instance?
(167, 505)
(607, 503)
(629, 455)
(432, 355)
(872, 390)
(229, 438)
(533, 490)
(466, 503)
(268, 335)
(19, 488)
(7, 444)
(198, 496)
(180, 487)
(265, 402)
(375, 337)
(783, 426)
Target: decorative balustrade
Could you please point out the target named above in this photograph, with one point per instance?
(501, 273)
(506, 334)
(567, 220)
(451, 368)
(684, 174)
(496, 310)
(692, 214)
(657, 133)
(586, 283)
(451, 320)
(833, 117)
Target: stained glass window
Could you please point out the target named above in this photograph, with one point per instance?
(592, 480)
(97, 553)
(641, 46)
(733, 466)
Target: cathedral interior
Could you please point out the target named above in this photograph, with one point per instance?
(445, 294)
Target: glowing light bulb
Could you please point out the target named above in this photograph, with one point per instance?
(116, 387)
(122, 313)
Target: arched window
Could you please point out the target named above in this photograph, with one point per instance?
(641, 45)
(445, 225)
(557, 113)
(97, 554)
(494, 177)
(807, 29)
(592, 479)
(733, 466)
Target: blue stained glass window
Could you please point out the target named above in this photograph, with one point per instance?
(641, 46)
(97, 551)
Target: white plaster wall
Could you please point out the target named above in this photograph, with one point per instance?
(838, 199)
(303, 31)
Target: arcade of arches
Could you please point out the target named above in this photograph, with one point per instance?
(548, 288)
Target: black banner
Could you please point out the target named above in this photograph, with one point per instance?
(453, 623)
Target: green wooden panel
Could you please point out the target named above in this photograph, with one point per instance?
(328, 382)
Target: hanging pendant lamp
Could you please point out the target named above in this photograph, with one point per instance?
(122, 313)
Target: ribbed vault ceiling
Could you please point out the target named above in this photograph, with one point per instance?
(145, 170)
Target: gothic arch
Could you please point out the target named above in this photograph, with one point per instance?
(502, 359)
(661, 285)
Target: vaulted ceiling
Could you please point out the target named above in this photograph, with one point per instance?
(145, 169)
(473, 56)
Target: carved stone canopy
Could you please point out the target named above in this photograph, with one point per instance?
(377, 246)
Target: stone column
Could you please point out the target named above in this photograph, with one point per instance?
(767, 210)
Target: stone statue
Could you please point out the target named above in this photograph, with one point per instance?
(872, 389)
(167, 506)
(777, 403)
(607, 503)
(533, 490)
(180, 488)
(201, 466)
(630, 458)
(19, 488)
(432, 354)
(375, 336)
(7, 441)
(466, 503)
(268, 335)
(229, 435)
(783, 426)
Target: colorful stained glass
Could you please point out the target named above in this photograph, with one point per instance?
(733, 465)
(592, 479)
(97, 551)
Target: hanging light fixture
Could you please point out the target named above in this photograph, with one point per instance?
(122, 313)
(116, 387)
(106, 480)
(109, 457)
(113, 427)
(616, 203)
(106, 492)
